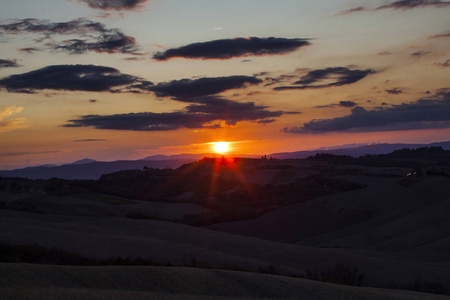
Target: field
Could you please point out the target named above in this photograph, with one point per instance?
(376, 228)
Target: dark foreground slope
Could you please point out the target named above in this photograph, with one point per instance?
(23, 281)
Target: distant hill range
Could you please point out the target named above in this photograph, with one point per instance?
(357, 151)
(91, 169)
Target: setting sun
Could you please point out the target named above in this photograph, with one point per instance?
(221, 147)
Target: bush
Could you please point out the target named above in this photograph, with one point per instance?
(340, 274)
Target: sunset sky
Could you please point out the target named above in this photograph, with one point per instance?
(125, 79)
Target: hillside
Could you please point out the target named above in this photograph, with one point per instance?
(42, 282)
(381, 218)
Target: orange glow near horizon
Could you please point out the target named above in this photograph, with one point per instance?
(220, 147)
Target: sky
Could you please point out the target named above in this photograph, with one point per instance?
(126, 79)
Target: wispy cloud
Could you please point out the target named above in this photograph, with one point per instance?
(207, 113)
(352, 10)
(394, 91)
(89, 140)
(8, 63)
(321, 78)
(341, 104)
(116, 5)
(400, 5)
(410, 4)
(445, 64)
(89, 36)
(440, 36)
(12, 154)
(430, 112)
(237, 47)
(6, 125)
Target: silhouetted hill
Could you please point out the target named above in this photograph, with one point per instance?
(91, 170)
(83, 161)
(358, 151)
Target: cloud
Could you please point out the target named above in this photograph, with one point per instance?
(352, 10)
(6, 125)
(410, 4)
(90, 36)
(8, 63)
(89, 140)
(72, 78)
(402, 4)
(29, 50)
(116, 5)
(186, 89)
(394, 91)
(420, 53)
(341, 104)
(321, 78)
(208, 112)
(237, 47)
(11, 154)
(438, 36)
(347, 103)
(430, 112)
(445, 64)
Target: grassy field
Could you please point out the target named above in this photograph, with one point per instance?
(39, 282)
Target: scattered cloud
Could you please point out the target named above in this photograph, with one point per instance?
(394, 91)
(347, 103)
(341, 104)
(429, 112)
(186, 89)
(208, 112)
(90, 36)
(401, 4)
(6, 125)
(445, 64)
(72, 78)
(8, 63)
(89, 140)
(116, 5)
(12, 154)
(29, 50)
(237, 47)
(328, 77)
(438, 36)
(352, 10)
(419, 54)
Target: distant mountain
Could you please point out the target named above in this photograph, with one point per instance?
(83, 161)
(92, 170)
(358, 151)
(183, 156)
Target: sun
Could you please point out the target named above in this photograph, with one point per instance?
(221, 147)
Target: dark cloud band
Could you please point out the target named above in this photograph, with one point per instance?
(8, 63)
(209, 112)
(431, 112)
(238, 47)
(71, 78)
(409, 4)
(91, 36)
(185, 89)
(99, 79)
(320, 78)
(116, 5)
